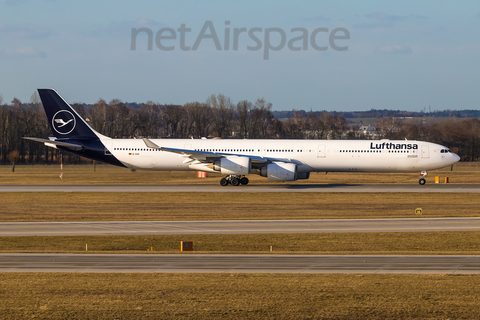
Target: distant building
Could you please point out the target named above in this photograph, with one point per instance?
(369, 130)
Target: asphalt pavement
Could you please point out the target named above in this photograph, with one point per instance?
(237, 226)
(193, 263)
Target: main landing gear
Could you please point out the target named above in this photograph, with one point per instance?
(422, 179)
(234, 180)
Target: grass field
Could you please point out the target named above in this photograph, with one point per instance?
(238, 296)
(466, 172)
(110, 206)
(401, 243)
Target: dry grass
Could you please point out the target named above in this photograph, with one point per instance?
(106, 174)
(108, 206)
(238, 296)
(401, 243)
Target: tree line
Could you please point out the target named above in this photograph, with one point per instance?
(220, 117)
(385, 113)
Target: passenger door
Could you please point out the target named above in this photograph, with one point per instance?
(321, 151)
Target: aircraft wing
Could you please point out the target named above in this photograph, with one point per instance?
(203, 155)
(54, 144)
(197, 155)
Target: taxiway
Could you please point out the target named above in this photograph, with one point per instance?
(193, 263)
(237, 226)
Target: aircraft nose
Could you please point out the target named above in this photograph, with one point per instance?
(455, 158)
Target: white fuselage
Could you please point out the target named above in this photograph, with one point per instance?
(309, 155)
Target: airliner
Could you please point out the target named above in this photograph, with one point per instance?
(277, 160)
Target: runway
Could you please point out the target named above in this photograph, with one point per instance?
(192, 263)
(416, 188)
(237, 227)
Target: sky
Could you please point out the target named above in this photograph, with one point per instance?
(408, 55)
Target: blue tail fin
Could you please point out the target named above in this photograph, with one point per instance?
(65, 122)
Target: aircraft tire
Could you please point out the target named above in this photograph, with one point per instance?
(244, 181)
(421, 181)
(235, 182)
(223, 182)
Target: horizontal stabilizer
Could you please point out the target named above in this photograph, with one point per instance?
(53, 143)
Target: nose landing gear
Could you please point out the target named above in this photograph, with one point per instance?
(422, 179)
(234, 180)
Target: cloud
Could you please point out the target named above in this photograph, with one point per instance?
(23, 52)
(25, 31)
(125, 27)
(317, 19)
(383, 16)
(385, 20)
(395, 49)
(17, 2)
(147, 22)
(390, 17)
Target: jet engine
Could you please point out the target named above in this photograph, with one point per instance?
(233, 165)
(280, 171)
(303, 175)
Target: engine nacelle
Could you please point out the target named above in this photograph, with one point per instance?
(303, 175)
(280, 171)
(233, 165)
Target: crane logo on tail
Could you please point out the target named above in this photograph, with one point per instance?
(63, 122)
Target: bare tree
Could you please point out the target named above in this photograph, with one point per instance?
(262, 118)
(121, 118)
(97, 116)
(222, 114)
(40, 128)
(16, 103)
(199, 116)
(80, 109)
(5, 116)
(387, 126)
(243, 110)
(147, 120)
(295, 126)
(276, 130)
(320, 125)
(172, 115)
(338, 125)
(35, 100)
